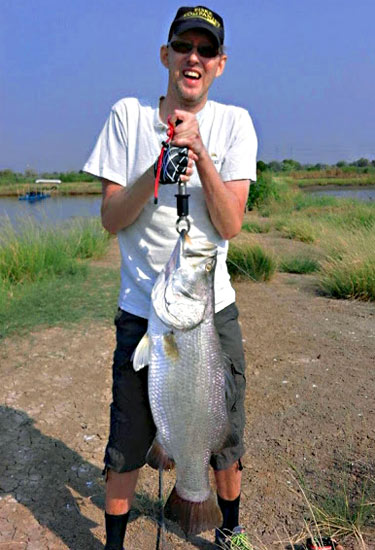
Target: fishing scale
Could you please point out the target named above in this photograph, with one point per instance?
(183, 222)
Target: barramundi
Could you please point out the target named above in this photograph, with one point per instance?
(186, 381)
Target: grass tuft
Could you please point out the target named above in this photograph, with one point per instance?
(250, 262)
(298, 264)
(340, 278)
(349, 271)
(343, 511)
(297, 229)
(256, 227)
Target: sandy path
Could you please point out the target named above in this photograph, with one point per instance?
(310, 404)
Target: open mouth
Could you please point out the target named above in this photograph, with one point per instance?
(191, 75)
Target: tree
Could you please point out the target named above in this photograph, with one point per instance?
(362, 162)
(261, 166)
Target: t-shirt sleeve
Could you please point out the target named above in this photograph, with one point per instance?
(109, 157)
(240, 158)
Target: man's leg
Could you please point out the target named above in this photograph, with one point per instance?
(120, 489)
(227, 464)
(228, 484)
(132, 429)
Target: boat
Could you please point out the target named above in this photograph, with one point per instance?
(34, 196)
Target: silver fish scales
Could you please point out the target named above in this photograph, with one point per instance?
(186, 381)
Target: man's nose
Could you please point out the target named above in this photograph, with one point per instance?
(193, 55)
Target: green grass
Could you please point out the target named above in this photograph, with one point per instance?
(341, 231)
(298, 264)
(298, 229)
(45, 277)
(256, 227)
(250, 262)
(87, 295)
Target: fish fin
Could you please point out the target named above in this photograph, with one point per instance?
(170, 346)
(158, 458)
(193, 517)
(141, 354)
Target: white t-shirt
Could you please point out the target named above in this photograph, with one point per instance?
(128, 145)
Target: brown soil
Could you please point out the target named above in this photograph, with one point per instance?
(310, 413)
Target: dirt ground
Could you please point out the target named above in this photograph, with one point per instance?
(310, 413)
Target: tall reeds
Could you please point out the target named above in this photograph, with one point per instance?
(349, 270)
(32, 252)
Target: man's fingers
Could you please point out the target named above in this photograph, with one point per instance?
(192, 158)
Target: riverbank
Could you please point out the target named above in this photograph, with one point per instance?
(328, 179)
(64, 189)
(310, 419)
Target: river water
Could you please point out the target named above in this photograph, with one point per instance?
(49, 211)
(358, 193)
(58, 209)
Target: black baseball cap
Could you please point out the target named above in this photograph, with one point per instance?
(198, 18)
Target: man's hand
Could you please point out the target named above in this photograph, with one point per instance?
(174, 164)
(187, 134)
(225, 200)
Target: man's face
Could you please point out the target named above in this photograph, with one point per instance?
(191, 74)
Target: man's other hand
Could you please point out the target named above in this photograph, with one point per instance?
(186, 133)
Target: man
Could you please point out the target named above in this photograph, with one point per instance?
(219, 165)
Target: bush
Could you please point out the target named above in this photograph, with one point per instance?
(261, 191)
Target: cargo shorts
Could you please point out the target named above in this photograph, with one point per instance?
(132, 428)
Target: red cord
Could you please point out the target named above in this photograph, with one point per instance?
(170, 133)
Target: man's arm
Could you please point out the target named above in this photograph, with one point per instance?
(121, 206)
(225, 200)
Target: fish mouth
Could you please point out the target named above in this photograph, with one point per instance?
(198, 248)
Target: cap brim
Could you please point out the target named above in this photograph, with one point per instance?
(199, 24)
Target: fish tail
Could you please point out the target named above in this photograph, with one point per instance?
(193, 517)
(158, 458)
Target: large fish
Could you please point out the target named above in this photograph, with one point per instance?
(186, 381)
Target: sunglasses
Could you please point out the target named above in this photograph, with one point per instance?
(204, 50)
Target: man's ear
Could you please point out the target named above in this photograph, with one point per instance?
(164, 56)
(221, 66)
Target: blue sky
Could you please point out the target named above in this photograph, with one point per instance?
(305, 70)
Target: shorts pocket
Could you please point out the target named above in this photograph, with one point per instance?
(129, 331)
(235, 383)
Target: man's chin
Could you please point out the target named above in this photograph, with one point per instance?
(191, 97)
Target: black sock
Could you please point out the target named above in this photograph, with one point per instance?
(231, 512)
(115, 527)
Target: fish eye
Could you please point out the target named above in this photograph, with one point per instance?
(208, 267)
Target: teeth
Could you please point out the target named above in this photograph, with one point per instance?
(192, 74)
